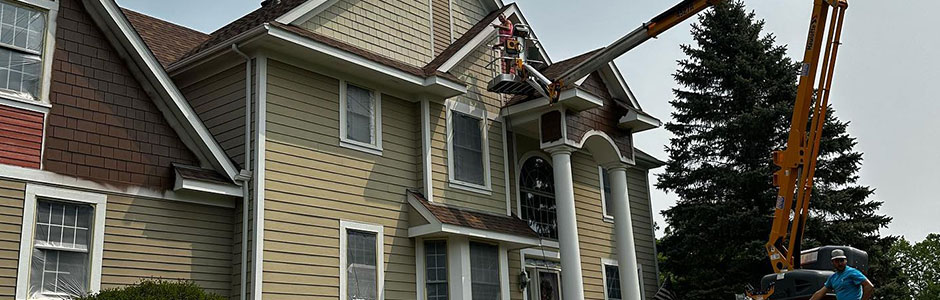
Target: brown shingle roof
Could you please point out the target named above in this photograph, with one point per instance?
(477, 220)
(463, 40)
(264, 14)
(553, 71)
(168, 41)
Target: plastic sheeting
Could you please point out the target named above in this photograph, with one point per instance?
(60, 262)
(21, 43)
(360, 113)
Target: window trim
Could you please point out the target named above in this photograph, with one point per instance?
(475, 112)
(379, 231)
(421, 266)
(42, 103)
(502, 268)
(612, 262)
(33, 193)
(345, 141)
(605, 212)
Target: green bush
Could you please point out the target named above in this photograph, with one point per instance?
(155, 289)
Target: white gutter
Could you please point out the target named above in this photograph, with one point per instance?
(243, 288)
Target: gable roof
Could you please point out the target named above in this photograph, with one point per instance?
(168, 41)
(465, 39)
(476, 220)
(168, 99)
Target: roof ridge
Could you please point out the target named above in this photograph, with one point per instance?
(128, 10)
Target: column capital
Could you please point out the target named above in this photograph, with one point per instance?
(560, 149)
(615, 166)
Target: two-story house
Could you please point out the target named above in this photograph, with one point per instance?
(312, 149)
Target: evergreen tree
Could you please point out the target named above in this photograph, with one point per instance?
(732, 111)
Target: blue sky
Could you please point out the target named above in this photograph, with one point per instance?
(883, 83)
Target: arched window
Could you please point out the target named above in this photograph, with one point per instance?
(537, 191)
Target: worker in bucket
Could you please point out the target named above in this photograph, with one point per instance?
(505, 32)
(848, 282)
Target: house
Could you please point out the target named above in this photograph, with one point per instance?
(312, 149)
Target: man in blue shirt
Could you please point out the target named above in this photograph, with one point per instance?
(848, 282)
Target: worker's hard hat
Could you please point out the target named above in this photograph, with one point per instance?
(837, 254)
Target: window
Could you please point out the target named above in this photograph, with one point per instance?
(537, 197)
(60, 246)
(435, 258)
(361, 274)
(22, 34)
(360, 118)
(484, 271)
(612, 280)
(605, 193)
(546, 286)
(468, 160)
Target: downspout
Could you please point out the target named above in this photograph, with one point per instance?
(245, 175)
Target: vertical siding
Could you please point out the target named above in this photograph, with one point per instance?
(399, 30)
(12, 194)
(219, 100)
(172, 240)
(313, 183)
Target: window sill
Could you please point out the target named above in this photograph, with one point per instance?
(30, 105)
(362, 147)
(608, 219)
(470, 187)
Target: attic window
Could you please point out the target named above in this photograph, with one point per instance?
(22, 32)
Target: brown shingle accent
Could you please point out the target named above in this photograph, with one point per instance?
(102, 124)
(168, 41)
(477, 220)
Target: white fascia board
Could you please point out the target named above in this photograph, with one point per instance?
(634, 116)
(146, 61)
(363, 62)
(490, 235)
(622, 84)
(483, 35)
(205, 55)
(542, 102)
(305, 11)
(206, 187)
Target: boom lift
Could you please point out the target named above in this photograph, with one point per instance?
(797, 162)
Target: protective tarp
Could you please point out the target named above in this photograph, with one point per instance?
(21, 43)
(360, 112)
(60, 263)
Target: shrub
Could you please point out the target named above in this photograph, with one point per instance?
(155, 289)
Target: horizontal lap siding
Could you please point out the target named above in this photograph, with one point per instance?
(399, 30)
(21, 142)
(173, 240)
(466, 14)
(313, 183)
(638, 184)
(12, 194)
(441, 19)
(219, 100)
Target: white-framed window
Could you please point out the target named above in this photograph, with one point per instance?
(484, 271)
(435, 264)
(610, 270)
(360, 118)
(467, 147)
(26, 46)
(361, 261)
(545, 284)
(60, 244)
(604, 177)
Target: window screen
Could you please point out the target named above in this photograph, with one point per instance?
(537, 188)
(468, 149)
(21, 42)
(361, 272)
(613, 282)
(360, 115)
(484, 271)
(60, 264)
(436, 274)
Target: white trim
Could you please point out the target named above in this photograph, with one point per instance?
(477, 112)
(30, 105)
(363, 62)
(427, 174)
(600, 177)
(503, 272)
(538, 253)
(205, 186)
(504, 121)
(450, 14)
(609, 140)
(185, 113)
(420, 269)
(261, 73)
(305, 11)
(344, 141)
(379, 255)
(604, 263)
(54, 179)
(33, 192)
(623, 84)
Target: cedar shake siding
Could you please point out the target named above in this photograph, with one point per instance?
(21, 141)
(102, 125)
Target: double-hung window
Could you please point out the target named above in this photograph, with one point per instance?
(468, 159)
(484, 271)
(61, 243)
(22, 37)
(435, 258)
(360, 118)
(361, 259)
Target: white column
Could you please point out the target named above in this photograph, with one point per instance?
(623, 231)
(458, 256)
(571, 280)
